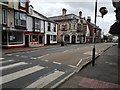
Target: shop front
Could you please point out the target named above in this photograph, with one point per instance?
(34, 39)
(12, 39)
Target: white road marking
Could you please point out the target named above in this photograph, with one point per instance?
(19, 74)
(12, 65)
(111, 63)
(90, 53)
(72, 66)
(79, 62)
(57, 63)
(43, 81)
(1, 62)
(66, 50)
(33, 58)
(43, 56)
(9, 54)
(2, 58)
(17, 55)
(46, 60)
(82, 60)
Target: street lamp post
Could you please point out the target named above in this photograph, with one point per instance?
(93, 55)
(103, 11)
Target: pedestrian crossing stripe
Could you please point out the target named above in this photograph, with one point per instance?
(19, 74)
(12, 65)
(2, 58)
(1, 62)
(40, 83)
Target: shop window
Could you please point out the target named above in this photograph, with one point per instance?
(4, 19)
(54, 38)
(15, 37)
(34, 38)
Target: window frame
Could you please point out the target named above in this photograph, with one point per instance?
(19, 17)
(4, 16)
(23, 3)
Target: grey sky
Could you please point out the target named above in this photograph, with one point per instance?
(54, 7)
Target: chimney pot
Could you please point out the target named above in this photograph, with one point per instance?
(64, 11)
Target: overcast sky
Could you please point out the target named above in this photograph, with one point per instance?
(54, 8)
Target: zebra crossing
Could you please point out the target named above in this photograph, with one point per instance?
(22, 74)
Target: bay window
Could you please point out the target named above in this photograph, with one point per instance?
(20, 19)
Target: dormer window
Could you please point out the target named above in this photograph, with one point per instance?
(23, 3)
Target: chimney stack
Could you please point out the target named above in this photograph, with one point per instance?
(89, 19)
(80, 14)
(64, 11)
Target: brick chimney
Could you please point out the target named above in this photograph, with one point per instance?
(64, 11)
(89, 19)
(80, 14)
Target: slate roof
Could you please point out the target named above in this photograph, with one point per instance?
(66, 17)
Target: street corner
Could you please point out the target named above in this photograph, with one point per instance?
(93, 83)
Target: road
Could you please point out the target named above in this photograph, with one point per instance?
(45, 68)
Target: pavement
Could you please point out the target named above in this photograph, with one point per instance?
(104, 75)
(23, 49)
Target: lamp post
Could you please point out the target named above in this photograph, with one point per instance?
(93, 54)
(103, 11)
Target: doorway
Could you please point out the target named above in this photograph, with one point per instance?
(48, 39)
(26, 40)
(73, 39)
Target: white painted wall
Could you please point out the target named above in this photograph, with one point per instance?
(42, 26)
(51, 32)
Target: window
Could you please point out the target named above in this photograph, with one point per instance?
(23, 3)
(78, 38)
(34, 38)
(48, 26)
(4, 16)
(54, 27)
(67, 38)
(15, 37)
(4, 1)
(37, 24)
(54, 38)
(20, 19)
(64, 27)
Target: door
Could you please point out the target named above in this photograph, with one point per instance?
(48, 39)
(73, 39)
(26, 41)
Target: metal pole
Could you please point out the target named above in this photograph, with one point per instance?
(93, 57)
